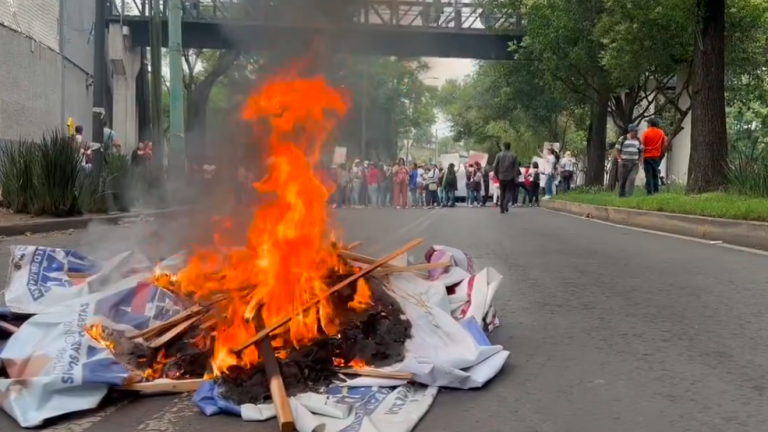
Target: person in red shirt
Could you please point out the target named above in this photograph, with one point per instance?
(374, 180)
(654, 142)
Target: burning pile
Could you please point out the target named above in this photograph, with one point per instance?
(292, 295)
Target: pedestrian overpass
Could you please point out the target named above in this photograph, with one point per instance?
(401, 28)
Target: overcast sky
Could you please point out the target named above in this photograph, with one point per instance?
(441, 70)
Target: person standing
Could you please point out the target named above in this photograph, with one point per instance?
(431, 178)
(533, 176)
(401, 177)
(654, 142)
(450, 185)
(486, 182)
(413, 185)
(373, 176)
(356, 177)
(506, 168)
(567, 165)
(629, 154)
(549, 173)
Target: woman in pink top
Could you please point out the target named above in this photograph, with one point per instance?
(401, 177)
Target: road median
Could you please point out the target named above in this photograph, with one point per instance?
(735, 232)
(44, 225)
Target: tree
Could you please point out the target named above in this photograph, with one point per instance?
(709, 137)
(506, 102)
(203, 68)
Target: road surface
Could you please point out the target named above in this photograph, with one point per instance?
(610, 329)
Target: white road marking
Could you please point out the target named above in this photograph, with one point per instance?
(677, 236)
(84, 423)
(165, 420)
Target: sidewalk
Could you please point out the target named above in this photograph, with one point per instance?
(735, 232)
(12, 224)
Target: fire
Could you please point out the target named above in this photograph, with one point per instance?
(289, 249)
(97, 333)
(362, 298)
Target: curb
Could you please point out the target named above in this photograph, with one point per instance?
(79, 222)
(739, 233)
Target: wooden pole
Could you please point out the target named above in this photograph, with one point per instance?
(276, 385)
(363, 272)
(10, 328)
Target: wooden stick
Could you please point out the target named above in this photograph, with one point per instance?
(10, 328)
(413, 268)
(276, 385)
(363, 272)
(353, 245)
(164, 339)
(165, 386)
(159, 328)
(375, 373)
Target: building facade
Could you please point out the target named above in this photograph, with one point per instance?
(46, 65)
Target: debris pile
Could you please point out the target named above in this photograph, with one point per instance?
(270, 322)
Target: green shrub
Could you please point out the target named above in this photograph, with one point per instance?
(47, 177)
(18, 169)
(59, 167)
(748, 169)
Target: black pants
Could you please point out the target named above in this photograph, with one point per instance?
(534, 193)
(506, 189)
(515, 193)
(651, 168)
(526, 193)
(486, 188)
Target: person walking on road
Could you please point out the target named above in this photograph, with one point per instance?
(629, 154)
(655, 144)
(506, 167)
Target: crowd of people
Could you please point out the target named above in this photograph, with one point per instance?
(504, 183)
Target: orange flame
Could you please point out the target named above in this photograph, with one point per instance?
(96, 332)
(289, 248)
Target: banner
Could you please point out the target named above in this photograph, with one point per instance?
(42, 277)
(475, 156)
(55, 368)
(339, 156)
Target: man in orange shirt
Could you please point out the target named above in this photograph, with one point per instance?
(655, 144)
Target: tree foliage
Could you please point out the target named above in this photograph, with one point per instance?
(619, 58)
(507, 102)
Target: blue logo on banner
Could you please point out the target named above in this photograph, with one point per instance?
(366, 401)
(138, 307)
(49, 267)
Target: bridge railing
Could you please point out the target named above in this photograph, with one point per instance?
(429, 14)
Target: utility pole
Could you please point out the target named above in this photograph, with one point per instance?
(99, 82)
(364, 126)
(437, 150)
(176, 152)
(156, 80)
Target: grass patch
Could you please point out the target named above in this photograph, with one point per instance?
(717, 205)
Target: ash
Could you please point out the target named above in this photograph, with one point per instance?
(376, 336)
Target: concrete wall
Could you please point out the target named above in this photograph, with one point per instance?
(675, 165)
(46, 57)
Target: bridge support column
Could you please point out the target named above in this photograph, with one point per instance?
(125, 61)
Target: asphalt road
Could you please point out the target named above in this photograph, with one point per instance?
(610, 329)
